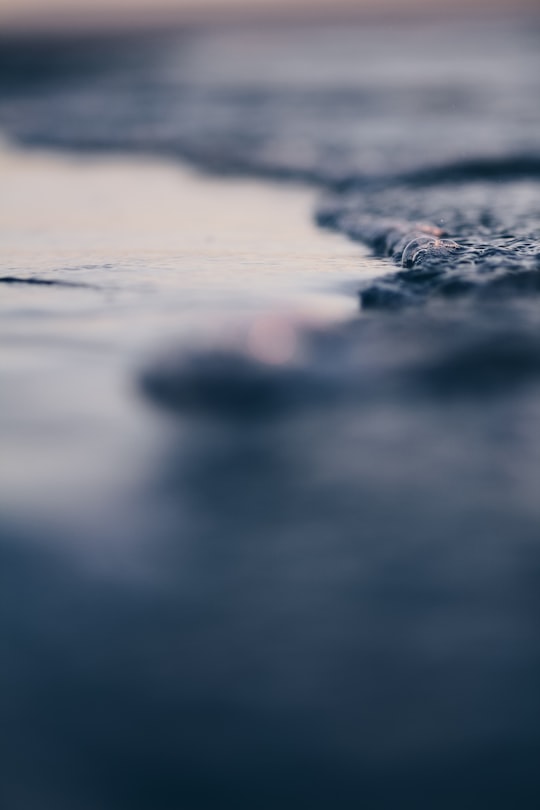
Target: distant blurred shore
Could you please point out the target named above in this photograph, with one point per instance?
(60, 17)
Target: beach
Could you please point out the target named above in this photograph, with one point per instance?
(270, 416)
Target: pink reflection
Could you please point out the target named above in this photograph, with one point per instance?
(273, 340)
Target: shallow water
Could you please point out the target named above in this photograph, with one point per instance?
(293, 558)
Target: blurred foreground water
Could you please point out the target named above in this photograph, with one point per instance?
(271, 525)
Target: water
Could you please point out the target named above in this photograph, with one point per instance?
(314, 579)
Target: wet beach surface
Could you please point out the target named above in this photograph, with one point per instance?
(270, 513)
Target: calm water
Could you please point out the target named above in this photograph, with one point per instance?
(301, 568)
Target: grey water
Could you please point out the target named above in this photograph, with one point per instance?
(336, 602)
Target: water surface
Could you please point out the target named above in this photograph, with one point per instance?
(271, 516)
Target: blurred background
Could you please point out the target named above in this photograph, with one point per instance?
(46, 14)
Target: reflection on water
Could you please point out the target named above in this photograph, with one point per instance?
(261, 549)
(97, 277)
